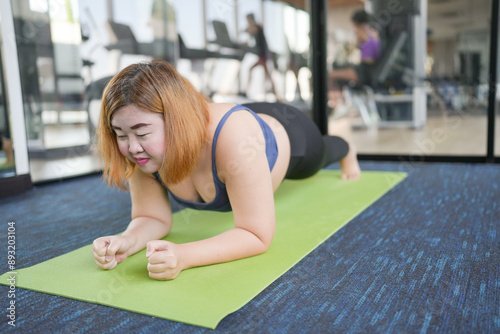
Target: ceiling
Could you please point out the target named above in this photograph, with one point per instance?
(344, 3)
(447, 18)
(331, 3)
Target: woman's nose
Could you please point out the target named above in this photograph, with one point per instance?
(134, 146)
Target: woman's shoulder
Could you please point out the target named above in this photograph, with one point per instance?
(229, 129)
(216, 108)
(219, 110)
(237, 122)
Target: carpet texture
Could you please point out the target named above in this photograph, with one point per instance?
(307, 213)
(424, 258)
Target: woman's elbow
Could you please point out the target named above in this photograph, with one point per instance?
(265, 241)
(261, 242)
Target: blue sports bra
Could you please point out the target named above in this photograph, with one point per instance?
(221, 200)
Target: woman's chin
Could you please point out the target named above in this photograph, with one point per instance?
(148, 168)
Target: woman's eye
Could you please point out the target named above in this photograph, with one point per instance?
(121, 136)
(142, 136)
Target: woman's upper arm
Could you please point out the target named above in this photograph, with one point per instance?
(149, 199)
(242, 162)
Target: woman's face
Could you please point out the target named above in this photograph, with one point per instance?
(140, 136)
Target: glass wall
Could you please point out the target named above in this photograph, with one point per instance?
(7, 161)
(412, 77)
(231, 50)
(416, 82)
(497, 103)
(227, 58)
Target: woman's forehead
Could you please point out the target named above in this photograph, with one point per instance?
(131, 113)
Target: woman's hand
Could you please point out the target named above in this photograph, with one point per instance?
(111, 250)
(164, 260)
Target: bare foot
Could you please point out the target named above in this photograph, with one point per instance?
(350, 166)
(9, 153)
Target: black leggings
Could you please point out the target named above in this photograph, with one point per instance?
(310, 151)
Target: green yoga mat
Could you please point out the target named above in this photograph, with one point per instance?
(307, 211)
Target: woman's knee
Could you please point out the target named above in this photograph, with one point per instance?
(336, 149)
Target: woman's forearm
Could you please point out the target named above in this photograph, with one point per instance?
(228, 246)
(141, 230)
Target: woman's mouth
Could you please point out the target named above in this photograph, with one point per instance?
(141, 161)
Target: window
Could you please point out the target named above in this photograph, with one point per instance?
(426, 92)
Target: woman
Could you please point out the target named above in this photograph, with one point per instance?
(155, 132)
(256, 30)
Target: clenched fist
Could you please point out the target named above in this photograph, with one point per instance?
(164, 260)
(111, 250)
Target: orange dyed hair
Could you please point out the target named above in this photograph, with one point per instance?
(154, 86)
